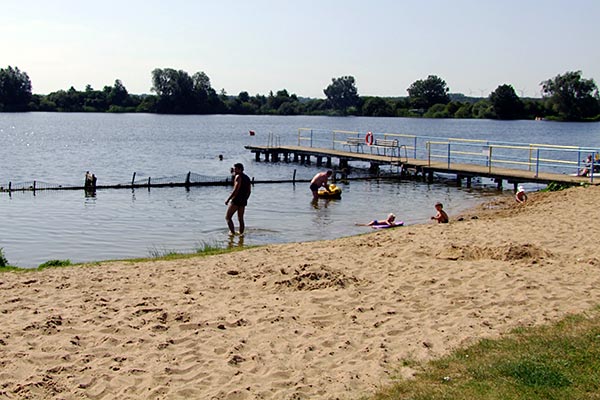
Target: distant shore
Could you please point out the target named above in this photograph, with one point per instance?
(319, 320)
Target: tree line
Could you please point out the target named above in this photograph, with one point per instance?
(566, 97)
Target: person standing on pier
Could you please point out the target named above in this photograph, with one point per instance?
(238, 198)
(319, 180)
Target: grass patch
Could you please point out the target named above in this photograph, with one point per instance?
(204, 249)
(560, 361)
(54, 264)
(557, 186)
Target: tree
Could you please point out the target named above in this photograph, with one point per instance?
(342, 93)
(118, 95)
(377, 107)
(175, 90)
(15, 89)
(202, 91)
(425, 93)
(571, 97)
(505, 103)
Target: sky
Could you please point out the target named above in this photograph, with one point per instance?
(260, 46)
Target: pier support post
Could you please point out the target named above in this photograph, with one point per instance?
(469, 182)
(430, 176)
(295, 157)
(319, 161)
(328, 162)
(499, 183)
(458, 180)
(257, 156)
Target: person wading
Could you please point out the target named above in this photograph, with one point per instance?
(238, 198)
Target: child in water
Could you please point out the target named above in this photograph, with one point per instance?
(388, 221)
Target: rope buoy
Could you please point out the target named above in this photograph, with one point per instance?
(369, 138)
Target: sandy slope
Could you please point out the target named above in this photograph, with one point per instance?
(324, 320)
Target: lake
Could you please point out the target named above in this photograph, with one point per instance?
(58, 148)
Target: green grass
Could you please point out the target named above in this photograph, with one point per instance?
(205, 249)
(54, 264)
(560, 361)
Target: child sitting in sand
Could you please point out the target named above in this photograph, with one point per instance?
(388, 221)
(521, 196)
(441, 217)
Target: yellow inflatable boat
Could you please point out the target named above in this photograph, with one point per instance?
(334, 192)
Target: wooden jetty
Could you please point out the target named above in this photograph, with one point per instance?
(407, 166)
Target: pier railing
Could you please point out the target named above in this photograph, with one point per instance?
(533, 157)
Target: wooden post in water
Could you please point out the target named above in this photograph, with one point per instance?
(148, 181)
(294, 177)
(187, 179)
(33, 186)
(9, 187)
(133, 179)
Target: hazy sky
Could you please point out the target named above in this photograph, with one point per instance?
(262, 45)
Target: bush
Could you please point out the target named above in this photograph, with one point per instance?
(3, 260)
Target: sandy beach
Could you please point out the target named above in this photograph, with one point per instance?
(324, 320)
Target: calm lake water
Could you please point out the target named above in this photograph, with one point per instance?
(58, 148)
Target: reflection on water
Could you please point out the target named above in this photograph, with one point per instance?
(235, 241)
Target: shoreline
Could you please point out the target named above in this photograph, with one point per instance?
(319, 320)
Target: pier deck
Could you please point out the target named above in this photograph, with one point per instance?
(425, 168)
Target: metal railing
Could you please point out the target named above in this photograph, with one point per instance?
(533, 157)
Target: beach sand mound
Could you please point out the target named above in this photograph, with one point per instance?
(323, 320)
(508, 252)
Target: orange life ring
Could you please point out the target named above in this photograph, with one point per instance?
(369, 138)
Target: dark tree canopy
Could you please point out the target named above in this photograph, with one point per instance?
(178, 93)
(505, 103)
(117, 95)
(342, 93)
(570, 97)
(377, 107)
(425, 93)
(175, 90)
(566, 97)
(15, 90)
